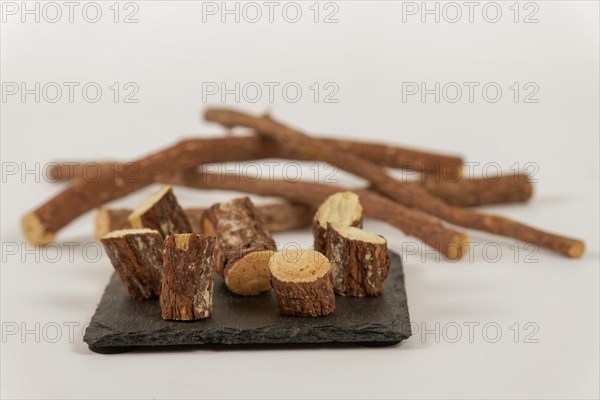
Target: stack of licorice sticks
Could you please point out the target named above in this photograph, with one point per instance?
(418, 208)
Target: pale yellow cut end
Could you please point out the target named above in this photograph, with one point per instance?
(126, 232)
(297, 266)
(456, 249)
(182, 241)
(576, 250)
(102, 223)
(250, 275)
(183, 315)
(353, 233)
(35, 232)
(340, 209)
(135, 217)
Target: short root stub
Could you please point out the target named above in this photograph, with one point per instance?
(188, 275)
(245, 245)
(302, 283)
(359, 261)
(162, 212)
(341, 209)
(137, 256)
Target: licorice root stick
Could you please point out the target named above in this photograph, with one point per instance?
(430, 230)
(410, 196)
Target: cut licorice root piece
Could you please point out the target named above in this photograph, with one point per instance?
(137, 256)
(359, 261)
(245, 245)
(302, 283)
(188, 272)
(341, 209)
(250, 275)
(161, 212)
(121, 324)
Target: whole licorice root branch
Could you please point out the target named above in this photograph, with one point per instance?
(464, 192)
(448, 242)
(257, 148)
(410, 196)
(42, 225)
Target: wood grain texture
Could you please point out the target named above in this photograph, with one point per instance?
(161, 212)
(359, 265)
(188, 274)
(137, 256)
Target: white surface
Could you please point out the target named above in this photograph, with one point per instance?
(369, 53)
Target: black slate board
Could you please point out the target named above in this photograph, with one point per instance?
(121, 324)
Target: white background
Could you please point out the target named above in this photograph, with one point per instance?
(368, 54)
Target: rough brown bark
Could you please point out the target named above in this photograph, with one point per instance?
(137, 256)
(245, 245)
(448, 242)
(464, 192)
(470, 192)
(277, 217)
(342, 209)
(285, 216)
(386, 155)
(41, 225)
(161, 212)
(359, 261)
(188, 274)
(410, 196)
(301, 280)
(68, 171)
